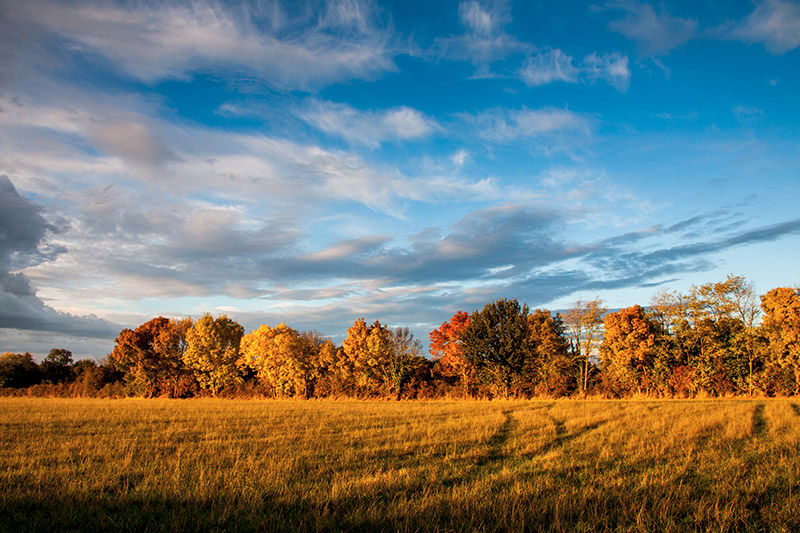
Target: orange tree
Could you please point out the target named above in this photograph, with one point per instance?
(629, 350)
(151, 356)
(445, 349)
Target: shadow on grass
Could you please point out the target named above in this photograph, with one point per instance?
(564, 437)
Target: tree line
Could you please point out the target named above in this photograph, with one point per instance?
(718, 339)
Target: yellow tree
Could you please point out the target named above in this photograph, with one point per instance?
(781, 327)
(212, 352)
(368, 350)
(335, 375)
(584, 322)
(281, 358)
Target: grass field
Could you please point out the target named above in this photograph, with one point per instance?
(179, 465)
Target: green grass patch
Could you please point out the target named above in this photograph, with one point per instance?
(230, 465)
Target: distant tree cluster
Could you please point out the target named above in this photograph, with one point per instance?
(712, 341)
(59, 375)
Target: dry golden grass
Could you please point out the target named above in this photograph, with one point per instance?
(178, 465)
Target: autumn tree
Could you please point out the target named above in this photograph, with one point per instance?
(94, 377)
(369, 350)
(720, 360)
(282, 359)
(548, 366)
(781, 327)
(629, 350)
(335, 371)
(668, 309)
(496, 342)
(722, 335)
(212, 352)
(584, 322)
(445, 349)
(151, 356)
(733, 298)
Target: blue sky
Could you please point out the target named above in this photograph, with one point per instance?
(315, 162)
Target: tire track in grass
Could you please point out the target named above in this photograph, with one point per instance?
(491, 462)
(759, 424)
(499, 439)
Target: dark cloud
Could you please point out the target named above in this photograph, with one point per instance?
(23, 234)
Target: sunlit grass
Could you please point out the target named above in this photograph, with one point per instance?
(271, 465)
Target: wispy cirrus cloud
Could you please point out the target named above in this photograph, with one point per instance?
(553, 65)
(161, 41)
(551, 128)
(370, 128)
(484, 40)
(549, 66)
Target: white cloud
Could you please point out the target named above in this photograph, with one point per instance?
(552, 66)
(747, 112)
(460, 157)
(231, 167)
(133, 140)
(501, 125)
(611, 68)
(368, 127)
(654, 33)
(484, 40)
(548, 67)
(479, 20)
(775, 23)
(158, 41)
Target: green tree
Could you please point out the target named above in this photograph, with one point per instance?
(711, 349)
(497, 341)
(405, 358)
(57, 366)
(212, 352)
(19, 370)
(724, 339)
